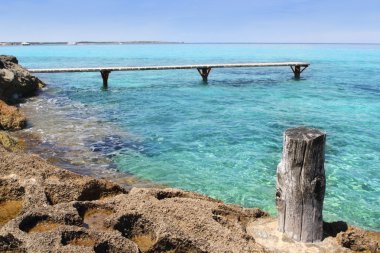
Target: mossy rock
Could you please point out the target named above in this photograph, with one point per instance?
(11, 118)
(10, 143)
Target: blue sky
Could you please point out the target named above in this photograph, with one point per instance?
(191, 20)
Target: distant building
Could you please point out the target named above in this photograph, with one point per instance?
(25, 44)
(71, 43)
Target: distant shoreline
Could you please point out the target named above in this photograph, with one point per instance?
(85, 43)
(17, 43)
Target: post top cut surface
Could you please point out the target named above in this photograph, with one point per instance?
(303, 133)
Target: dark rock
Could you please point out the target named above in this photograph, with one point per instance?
(15, 81)
(334, 228)
(9, 58)
(8, 243)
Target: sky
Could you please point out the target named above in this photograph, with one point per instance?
(270, 21)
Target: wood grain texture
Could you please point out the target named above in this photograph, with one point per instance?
(301, 184)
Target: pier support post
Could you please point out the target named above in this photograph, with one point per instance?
(105, 74)
(301, 184)
(297, 71)
(204, 72)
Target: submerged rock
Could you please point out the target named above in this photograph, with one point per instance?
(11, 118)
(15, 81)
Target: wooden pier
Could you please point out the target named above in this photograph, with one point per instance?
(203, 69)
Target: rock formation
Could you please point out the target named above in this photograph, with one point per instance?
(10, 143)
(15, 81)
(11, 118)
(47, 209)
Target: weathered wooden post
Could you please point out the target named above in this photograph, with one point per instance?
(204, 72)
(105, 74)
(297, 70)
(301, 184)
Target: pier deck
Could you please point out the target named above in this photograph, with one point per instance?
(203, 69)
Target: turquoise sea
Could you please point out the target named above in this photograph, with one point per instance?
(223, 139)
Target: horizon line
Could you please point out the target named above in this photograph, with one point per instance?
(177, 42)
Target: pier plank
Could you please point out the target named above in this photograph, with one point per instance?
(197, 66)
(203, 69)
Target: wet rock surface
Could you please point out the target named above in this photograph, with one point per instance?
(11, 118)
(11, 143)
(15, 81)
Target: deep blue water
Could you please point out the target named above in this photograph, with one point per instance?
(224, 139)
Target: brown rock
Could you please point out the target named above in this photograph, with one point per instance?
(11, 118)
(48, 209)
(359, 240)
(66, 212)
(10, 143)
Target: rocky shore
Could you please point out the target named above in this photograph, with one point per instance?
(44, 208)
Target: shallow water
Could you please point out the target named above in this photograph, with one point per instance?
(223, 139)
